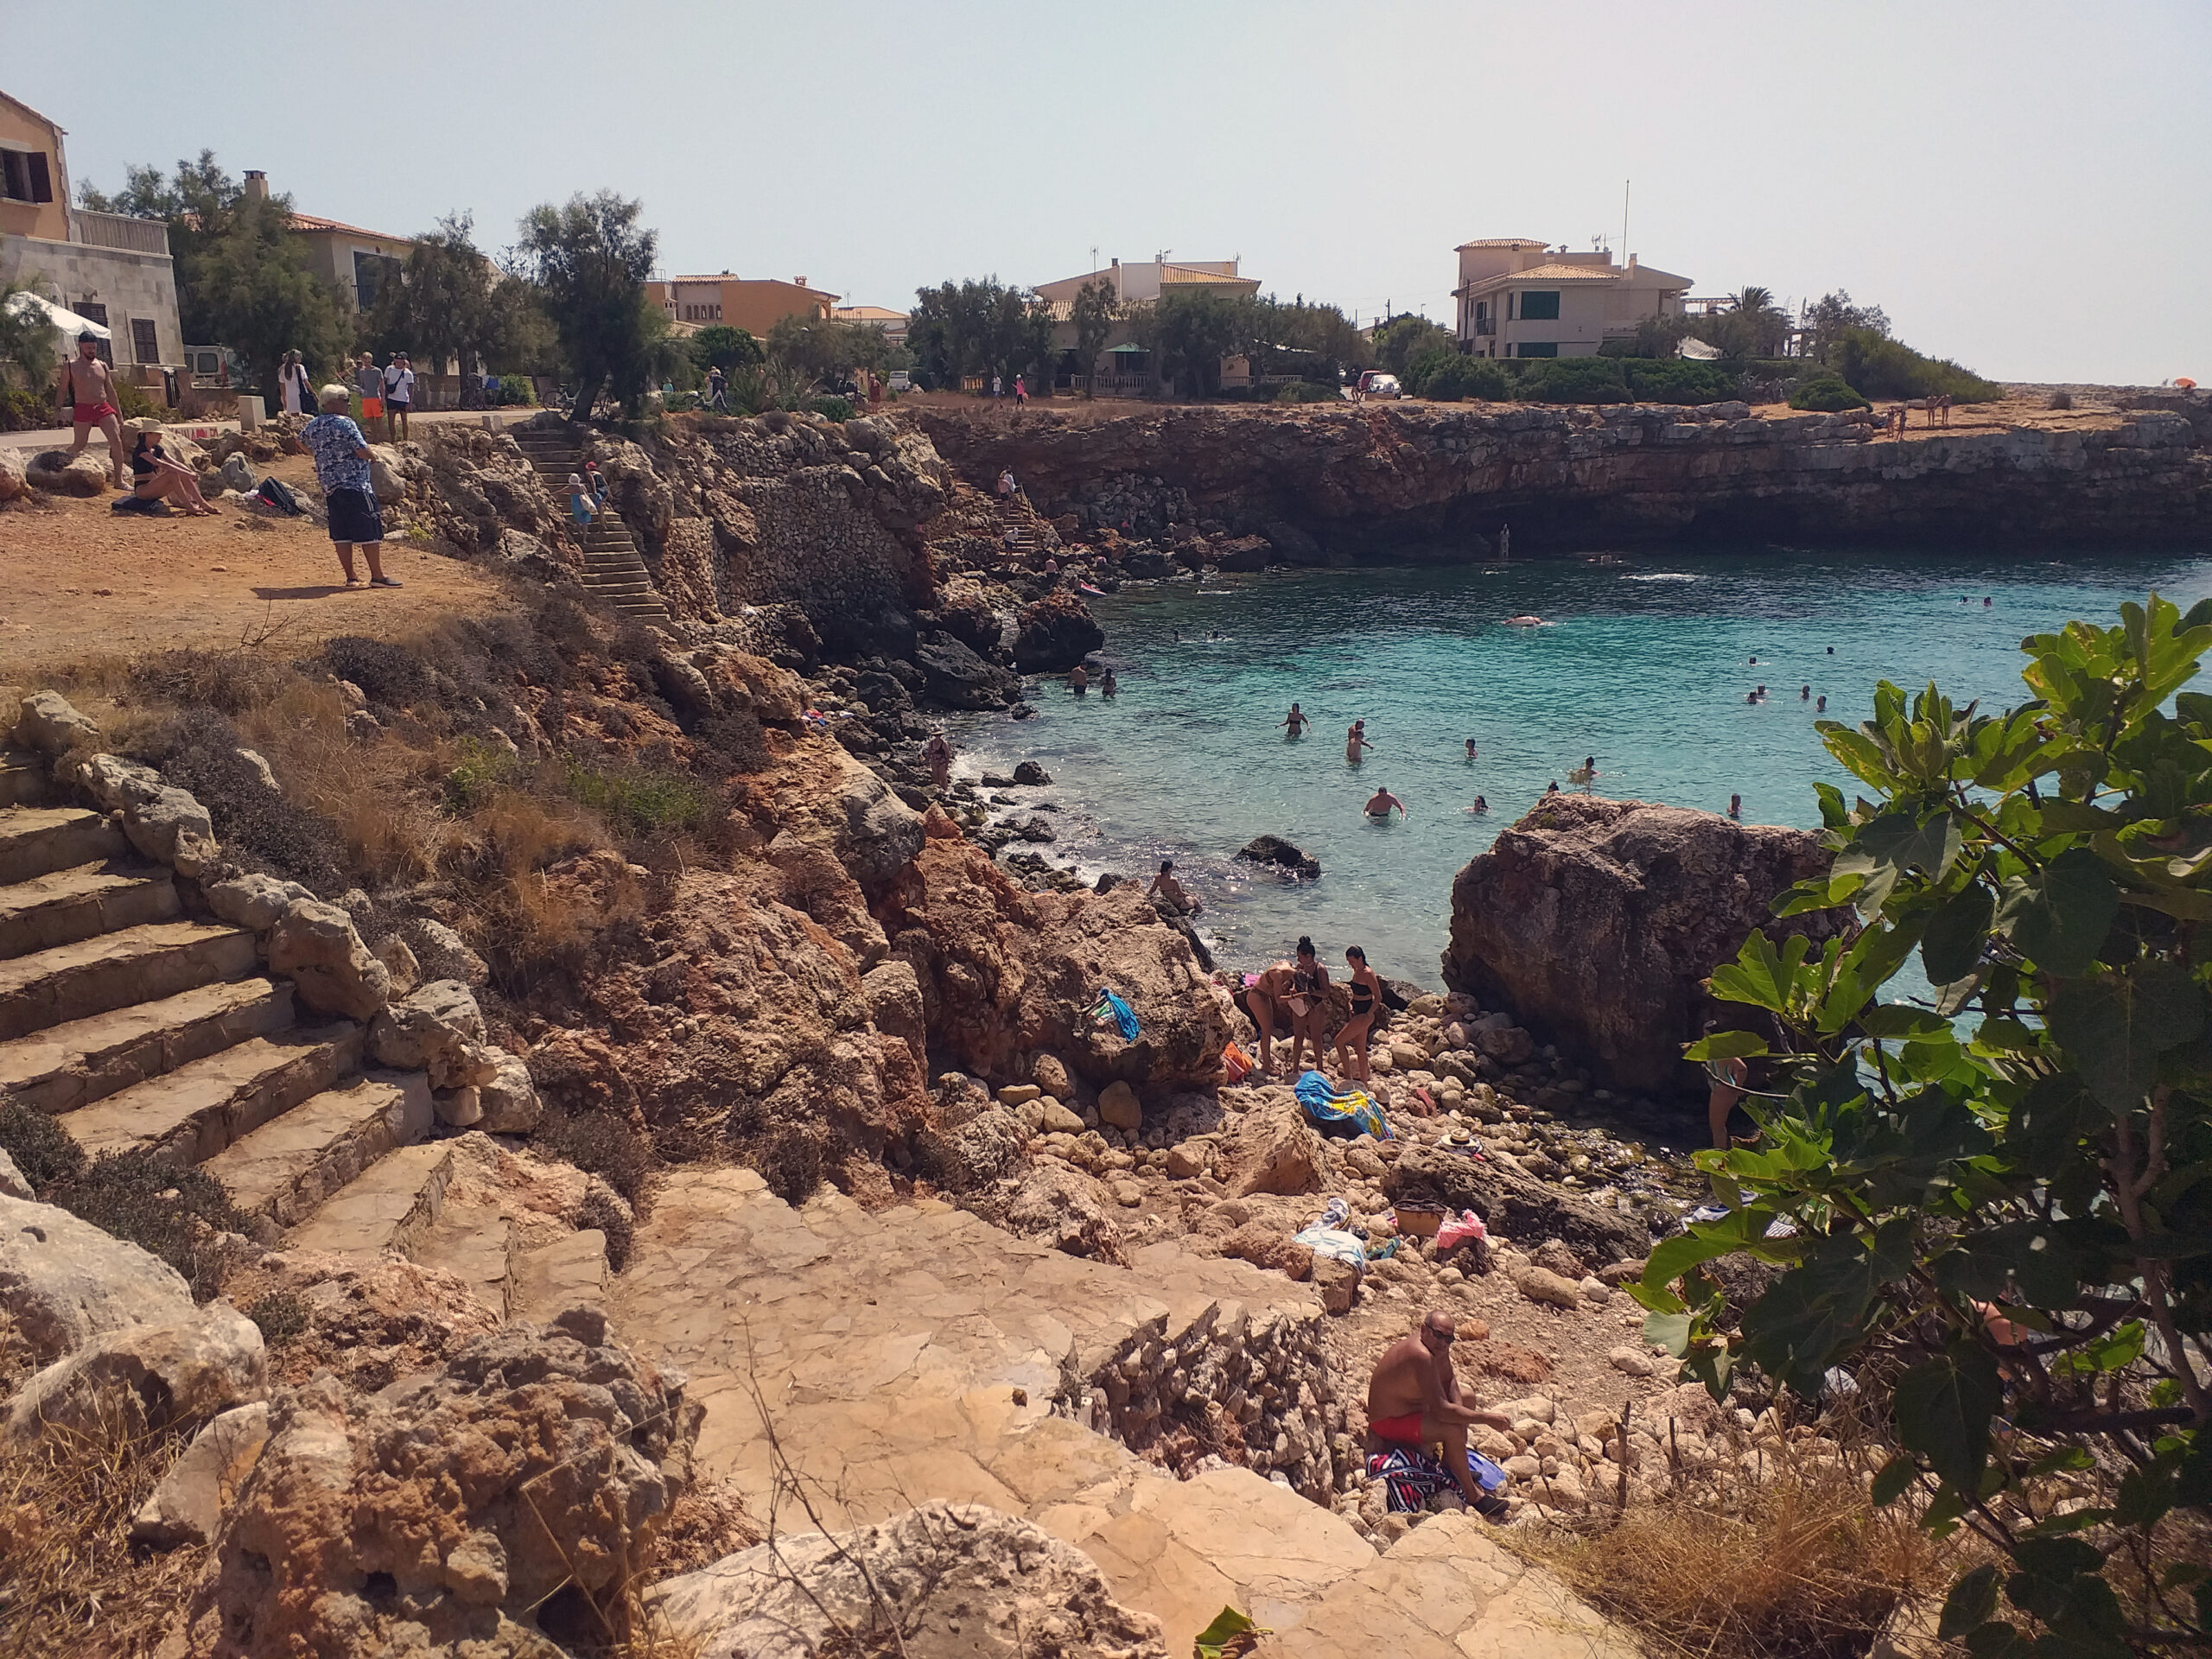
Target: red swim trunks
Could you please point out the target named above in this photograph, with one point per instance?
(1404, 1430)
(92, 414)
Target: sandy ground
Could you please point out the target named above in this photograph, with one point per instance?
(77, 581)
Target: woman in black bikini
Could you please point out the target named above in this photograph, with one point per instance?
(1352, 1037)
(157, 477)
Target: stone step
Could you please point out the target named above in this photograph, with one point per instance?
(195, 1111)
(67, 1066)
(138, 964)
(568, 1272)
(23, 779)
(296, 1161)
(389, 1206)
(38, 840)
(470, 1242)
(65, 906)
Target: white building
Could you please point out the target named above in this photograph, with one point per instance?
(1517, 297)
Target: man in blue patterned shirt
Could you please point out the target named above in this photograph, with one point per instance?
(341, 465)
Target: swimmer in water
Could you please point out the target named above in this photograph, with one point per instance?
(1735, 806)
(1750, 696)
(1821, 707)
(1804, 693)
(1480, 806)
(1379, 805)
(1586, 774)
(1755, 662)
(1297, 720)
(1109, 685)
(1078, 681)
(1830, 651)
(1986, 602)
(1355, 741)
(1471, 749)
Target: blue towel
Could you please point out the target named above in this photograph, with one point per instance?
(1324, 1105)
(1124, 1016)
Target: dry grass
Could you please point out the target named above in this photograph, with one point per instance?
(71, 1583)
(1799, 1568)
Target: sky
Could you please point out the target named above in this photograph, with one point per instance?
(2024, 187)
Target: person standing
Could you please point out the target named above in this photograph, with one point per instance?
(341, 466)
(718, 390)
(294, 387)
(1355, 743)
(938, 753)
(1504, 542)
(1352, 1036)
(581, 508)
(1020, 391)
(598, 483)
(88, 396)
(998, 387)
(1379, 805)
(398, 395)
(1296, 721)
(368, 386)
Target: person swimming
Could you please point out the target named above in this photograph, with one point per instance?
(1586, 773)
(1821, 707)
(1379, 805)
(1297, 721)
(1804, 693)
(1735, 806)
(1471, 749)
(1480, 806)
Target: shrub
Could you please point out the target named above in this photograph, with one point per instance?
(231, 681)
(833, 409)
(133, 402)
(2062, 400)
(599, 1210)
(168, 1211)
(282, 1315)
(636, 798)
(1678, 380)
(1825, 392)
(1308, 391)
(1476, 378)
(1882, 367)
(1423, 365)
(735, 743)
(599, 1143)
(198, 750)
(482, 768)
(1572, 380)
(388, 674)
(25, 411)
(41, 1148)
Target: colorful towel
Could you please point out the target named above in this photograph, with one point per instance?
(1122, 1013)
(1325, 1106)
(1323, 1240)
(1412, 1475)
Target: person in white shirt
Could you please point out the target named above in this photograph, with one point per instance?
(293, 386)
(398, 395)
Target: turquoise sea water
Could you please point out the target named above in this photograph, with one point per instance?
(1641, 662)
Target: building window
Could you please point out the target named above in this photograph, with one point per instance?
(24, 176)
(1540, 306)
(371, 272)
(145, 345)
(1537, 348)
(92, 311)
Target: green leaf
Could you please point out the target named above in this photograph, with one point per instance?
(1761, 975)
(1889, 1484)
(1998, 1640)
(1673, 1257)
(1972, 1600)
(1956, 934)
(2114, 1027)
(1213, 1641)
(1812, 1312)
(1669, 1331)
(2145, 1494)
(1943, 1406)
(1726, 1046)
(2057, 918)
(1903, 1019)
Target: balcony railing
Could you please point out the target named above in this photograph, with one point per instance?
(1485, 327)
(120, 231)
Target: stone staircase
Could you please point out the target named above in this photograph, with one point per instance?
(140, 1027)
(613, 570)
(1018, 519)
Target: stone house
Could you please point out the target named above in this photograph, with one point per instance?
(1518, 297)
(358, 263)
(113, 270)
(755, 304)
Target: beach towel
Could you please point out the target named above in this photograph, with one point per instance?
(1238, 1064)
(1326, 1107)
(1464, 1228)
(1327, 1240)
(1411, 1475)
(1122, 1014)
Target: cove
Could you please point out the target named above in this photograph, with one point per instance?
(1643, 662)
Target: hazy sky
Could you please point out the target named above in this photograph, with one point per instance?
(2024, 186)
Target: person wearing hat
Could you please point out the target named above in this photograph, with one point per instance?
(89, 396)
(341, 466)
(581, 508)
(398, 395)
(592, 476)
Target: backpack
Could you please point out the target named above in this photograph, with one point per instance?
(277, 495)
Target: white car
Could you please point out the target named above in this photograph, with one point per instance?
(1374, 384)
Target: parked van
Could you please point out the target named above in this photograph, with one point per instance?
(900, 381)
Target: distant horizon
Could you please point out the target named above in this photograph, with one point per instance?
(2019, 191)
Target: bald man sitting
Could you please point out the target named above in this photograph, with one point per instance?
(1414, 1400)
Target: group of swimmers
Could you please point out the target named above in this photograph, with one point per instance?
(1295, 993)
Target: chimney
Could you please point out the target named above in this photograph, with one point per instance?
(801, 281)
(256, 185)
(1631, 264)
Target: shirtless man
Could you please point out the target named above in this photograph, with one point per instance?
(1414, 1400)
(1355, 741)
(1298, 720)
(1381, 801)
(88, 391)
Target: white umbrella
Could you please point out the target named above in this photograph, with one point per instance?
(59, 315)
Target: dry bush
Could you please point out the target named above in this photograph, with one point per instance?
(71, 1584)
(1801, 1567)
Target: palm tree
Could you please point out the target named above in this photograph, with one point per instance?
(1757, 326)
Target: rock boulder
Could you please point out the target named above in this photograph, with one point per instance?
(47, 722)
(191, 1368)
(1054, 633)
(1520, 1207)
(59, 471)
(65, 1282)
(1278, 854)
(315, 945)
(1273, 1149)
(1597, 921)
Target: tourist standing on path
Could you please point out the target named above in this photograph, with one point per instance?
(1296, 720)
(89, 398)
(341, 466)
(1379, 805)
(1006, 485)
(938, 753)
(1352, 1036)
(718, 390)
(398, 395)
(580, 504)
(368, 386)
(1355, 741)
(293, 389)
(598, 488)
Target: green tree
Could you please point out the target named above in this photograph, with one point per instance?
(1405, 337)
(1996, 1202)
(591, 257)
(1882, 367)
(720, 345)
(1828, 317)
(1094, 313)
(1191, 330)
(29, 352)
(440, 309)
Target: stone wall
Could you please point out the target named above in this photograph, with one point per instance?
(1430, 480)
(128, 284)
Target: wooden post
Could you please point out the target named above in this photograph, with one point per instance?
(1620, 1501)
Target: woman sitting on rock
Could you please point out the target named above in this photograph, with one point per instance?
(1352, 1036)
(157, 478)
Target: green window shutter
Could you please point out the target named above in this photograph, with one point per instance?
(1538, 348)
(1542, 306)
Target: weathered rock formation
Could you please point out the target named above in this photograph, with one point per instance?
(1431, 480)
(1596, 921)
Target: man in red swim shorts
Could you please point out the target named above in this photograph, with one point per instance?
(1414, 1400)
(88, 393)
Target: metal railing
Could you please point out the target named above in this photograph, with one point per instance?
(120, 231)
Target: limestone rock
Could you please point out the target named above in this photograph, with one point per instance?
(57, 470)
(1055, 632)
(400, 961)
(985, 1148)
(1049, 1073)
(533, 1458)
(1267, 1246)
(1189, 1158)
(1060, 1208)
(1633, 1361)
(254, 901)
(894, 1005)
(1118, 1105)
(877, 834)
(12, 1184)
(47, 722)
(1056, 1119)
(1273, 1149)
(1339, 1282)
(65, 1282)
(186, 1507)
(462, 1107)
(192, 1367)
(960, 1579)
(173, 828)
(1597, 921)
(437, 1029)
(11, 476)
(315, 945)
(442, 953)
(1516, 1205)
(237, 474)
(1540, 1286)
(509, 1097)
(1278, 854)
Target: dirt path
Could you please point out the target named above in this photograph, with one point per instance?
(77, 581)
